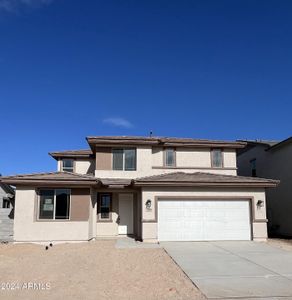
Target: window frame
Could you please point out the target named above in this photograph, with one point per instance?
(73, 165)
(124, 159)
(109, 219)
(212, 158)
(165, 157)
(54, 212)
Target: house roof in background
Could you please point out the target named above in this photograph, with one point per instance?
(281, 144)
(7, 188)
(207, 179)
(261, 142)
(271, 144)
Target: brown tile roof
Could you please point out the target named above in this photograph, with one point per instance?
(59, 178)
(66, 178)
(162, 141)
(199, 178)
(170, 179)
(72, 153)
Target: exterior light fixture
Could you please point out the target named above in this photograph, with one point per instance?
(260, 203)
(148, 204)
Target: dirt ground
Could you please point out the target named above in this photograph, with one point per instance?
(94, 270)
(285, 244)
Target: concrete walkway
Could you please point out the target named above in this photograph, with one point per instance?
(235, 270)
(128, 242)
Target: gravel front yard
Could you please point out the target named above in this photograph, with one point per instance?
(95, 270)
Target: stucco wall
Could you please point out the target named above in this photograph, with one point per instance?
(27, 229)
(150, 162)
(149, 223)
(84, 166)
(81, 165)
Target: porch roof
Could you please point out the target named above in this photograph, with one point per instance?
(50, 178)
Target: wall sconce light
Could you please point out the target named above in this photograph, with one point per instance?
(148, 204)
(260, 203)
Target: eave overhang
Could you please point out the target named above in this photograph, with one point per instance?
(160, 141)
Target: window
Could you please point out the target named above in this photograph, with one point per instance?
(5, 203)
(124, 159)
(104, 206)
(54, 204)
(253, 164)
(130, 159)
(217, 158)
(118, 159)
(169, 157)
(68, 165)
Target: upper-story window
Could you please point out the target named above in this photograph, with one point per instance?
(169, 159)
(124, 159)
(68, 165)
(217, 158)
(253, 164)
(54, 204)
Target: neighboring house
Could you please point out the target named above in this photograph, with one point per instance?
(155, 189)
(272, 159)
(6, 212)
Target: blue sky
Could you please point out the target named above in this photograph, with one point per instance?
(203, 69)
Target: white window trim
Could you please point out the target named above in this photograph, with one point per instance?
(54, 213)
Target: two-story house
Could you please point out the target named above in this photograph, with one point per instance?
(155, 189)
(272, 159)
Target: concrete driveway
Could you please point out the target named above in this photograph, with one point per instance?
(230, 270)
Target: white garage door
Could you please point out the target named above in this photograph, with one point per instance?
(203, 220)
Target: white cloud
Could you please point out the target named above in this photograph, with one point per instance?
(119, 122)
(15, 5)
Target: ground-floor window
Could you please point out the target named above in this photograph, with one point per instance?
(104, 206)
(54, 204)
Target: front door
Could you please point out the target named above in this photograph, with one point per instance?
(126, 214)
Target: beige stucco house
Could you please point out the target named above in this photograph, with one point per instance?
(272, 159)
(155, 189)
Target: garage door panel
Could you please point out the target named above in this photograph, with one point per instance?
(201, 220)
